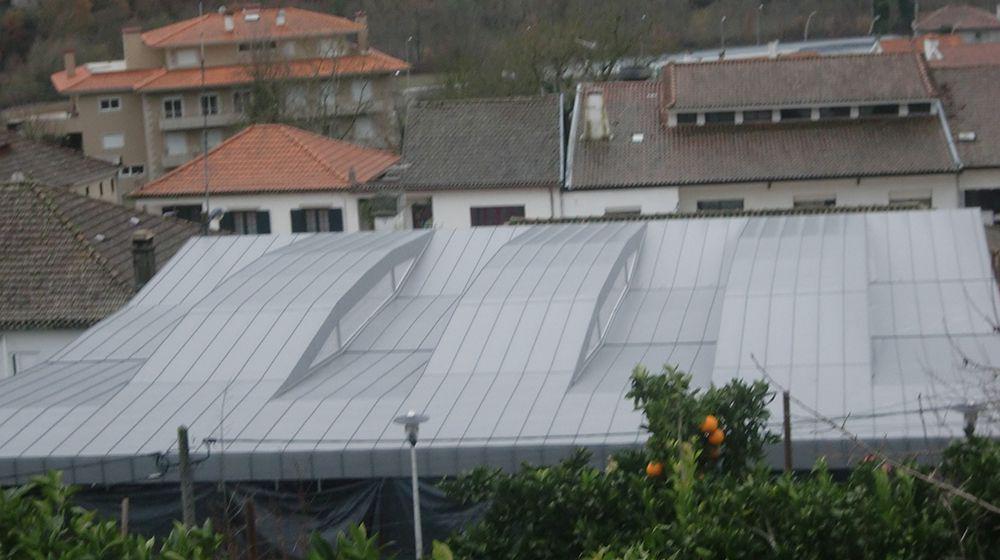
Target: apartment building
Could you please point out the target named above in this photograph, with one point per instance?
(151, 111)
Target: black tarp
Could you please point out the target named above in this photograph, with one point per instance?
(287, 513)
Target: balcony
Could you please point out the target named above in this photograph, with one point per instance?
(197, 121)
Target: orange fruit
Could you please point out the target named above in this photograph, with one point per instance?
(716, 437)
(709, 424)
(654, 469)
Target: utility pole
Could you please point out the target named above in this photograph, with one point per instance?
(187, 477)
(251, 521)
(124, 523)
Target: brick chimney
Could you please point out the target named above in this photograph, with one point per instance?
(69, 62)
(362, 19)
(143, 257)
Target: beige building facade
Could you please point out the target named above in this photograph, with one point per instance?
(159, 106)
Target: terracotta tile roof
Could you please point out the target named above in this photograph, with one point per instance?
(48, 164)
(268, 158)
(895, 45)
(690, 155)
(211, 26)
(955, 53)
(782, 81)
(969, 97)
(481, 143)
(957, 17)
(372, 62)
(55, 272)
(84, 81)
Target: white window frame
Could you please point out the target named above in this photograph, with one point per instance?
(178, 63)
(371, 132)
(118, 146)
(361, 90)
(131, 171)
(110, 109)
(201, 104)
(171, 99)
(166, 143)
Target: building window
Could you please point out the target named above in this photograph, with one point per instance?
(687, 118)
(189, 212)
(495, 215)
(720, 117)
(361, 91)
(295, 100)
(186, 58)
(919, 108)
(213, 138)
(821, 202)
(328, 48)
(364, 129)
(796, 114)
(317, 220)
(922, 202)
(623, 211)
(109, 104)
(257, 46)
(173, 108)
(328, 97)
(879, 110)
(835, 112)
(176, 143)
(113, 141)
(720, 205)
(210, 104)
(241, 101)
(757, 116)
(247, 222)
(131, 171)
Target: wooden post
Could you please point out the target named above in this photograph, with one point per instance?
(251, 521)
(124, 521)
(187, 477)
(785, 401)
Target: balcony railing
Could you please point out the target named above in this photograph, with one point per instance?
(197, 121)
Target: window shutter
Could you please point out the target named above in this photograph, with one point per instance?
(227, 222)
(263, 221)
(336, 219)
(298, 221)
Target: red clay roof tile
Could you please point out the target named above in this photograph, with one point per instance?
(211, 27)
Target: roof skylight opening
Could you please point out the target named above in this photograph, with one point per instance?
(638, 137)
(251, 15)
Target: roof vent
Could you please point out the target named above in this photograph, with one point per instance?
(251, 15)
(967, 136)
(99, 237)
(18, 177)
(227, 21)
(280, 19)
(931, 50)
(638, 137)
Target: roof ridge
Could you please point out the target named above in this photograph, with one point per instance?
(190, 23)
(806, 56)
(86, 246)
(313, 154)
(138, 192)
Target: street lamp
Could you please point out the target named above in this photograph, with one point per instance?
(411, 422)
(805, 34)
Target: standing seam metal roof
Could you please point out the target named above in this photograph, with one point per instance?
(294, 352)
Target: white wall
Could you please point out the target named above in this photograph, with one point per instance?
(451, 209)
(653, 200)
(941, 189)
(31, 347)
(280, 206)
(973, 179)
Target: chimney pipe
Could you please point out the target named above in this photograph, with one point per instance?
(931, 50)
(362, 19)
(280, 19)
(69, 62)
(143, 257)
(227, 21)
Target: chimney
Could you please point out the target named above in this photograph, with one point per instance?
(227, 21)
(595, 117)
(931, 50)
(143, 257)
(772, 49)
(362, 19)
(69, 62)
(280, 19)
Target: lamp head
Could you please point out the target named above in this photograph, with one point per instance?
(411, 423)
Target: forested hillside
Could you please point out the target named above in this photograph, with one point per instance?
(474, 39)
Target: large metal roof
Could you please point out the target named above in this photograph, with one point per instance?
(293, 353)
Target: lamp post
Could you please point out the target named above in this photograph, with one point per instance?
(805, 34)
(411, 424)
(722, 37)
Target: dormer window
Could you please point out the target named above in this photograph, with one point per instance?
(835, 113)
(687, 118)
(879, 110)
(720, 117)
(757, 116)
(919, 108)
(796, 114)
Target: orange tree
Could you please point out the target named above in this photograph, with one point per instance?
(673, 499)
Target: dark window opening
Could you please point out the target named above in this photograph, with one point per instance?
(247, 222)
(919, 108)
(987, 199)
(835, 112)
(796, 114)
(687, 118)
(815, 203)
(723, 117)
(757, 116)
(716, 205)
(495, 215)
(317, 220)
(189, 212)
(423, 215)
(879, 110)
